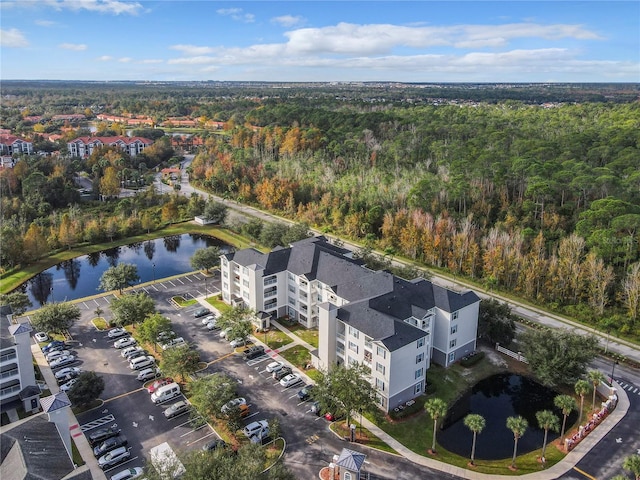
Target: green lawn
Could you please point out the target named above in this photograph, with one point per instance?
(363, 436)
(219, 304)
(308, 335)
(298, 356)
(184, 303)
(274, 338)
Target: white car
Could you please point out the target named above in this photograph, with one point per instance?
(57, 354)
(114, 457)
(71, 371)
(274, 366)
(117, 332)
(289, 380)
(41, 337)
(129, 350)
(212, 325)
(128, 474)
(208, 318)
(148, 374)
(256, 428)
(125, 342)
(62, 361)
(231, 404)
(238, 342)
(172, 343)
(65, 387)
(223, 333)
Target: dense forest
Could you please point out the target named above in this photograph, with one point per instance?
(531, 189)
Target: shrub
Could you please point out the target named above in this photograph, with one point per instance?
(471, 359)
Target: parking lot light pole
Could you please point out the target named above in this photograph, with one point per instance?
(153, 267)
(613, 367)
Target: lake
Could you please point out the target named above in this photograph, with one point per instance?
(79, 277)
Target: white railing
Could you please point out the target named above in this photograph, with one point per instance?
(517, 355)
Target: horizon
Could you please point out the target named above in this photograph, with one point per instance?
(415, 42)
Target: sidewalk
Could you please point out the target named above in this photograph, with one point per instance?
(77, 436)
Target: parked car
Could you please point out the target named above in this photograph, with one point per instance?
(117, 332)
(165, 336)
(125, 342)
(128, 474)
(238, 342)
(255, 428)
(137, 353)
(274, 366)
(71, 372)
(139, 363)
(176, 409)
(289, 380)
(53, 346)
(212, 325)
(114, 457)
(65, 387)
(201, 312)
(62, 361)
(56, 354)
(110, 444)
(41, 337)
(241, 410)
(332, 417)
(315, 408)
(148, 374)
(161, 382)
(100, 435)
(283, 372)
(253, 352)
(236, 402)
(173, 343)
(305, 392)
(225, 332)
(214, 445)
(208, 318)
(129, 350)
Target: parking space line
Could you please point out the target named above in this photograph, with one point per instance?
(123, 395)
(193, 430)
(188, 278)
(120, 464)
(180, 280)
(201, 438)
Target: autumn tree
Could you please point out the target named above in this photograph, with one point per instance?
(35, 243)
(109, 183)
(631, 292)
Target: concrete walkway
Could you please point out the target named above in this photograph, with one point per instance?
(81, 442)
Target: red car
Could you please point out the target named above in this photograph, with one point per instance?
(159, 383)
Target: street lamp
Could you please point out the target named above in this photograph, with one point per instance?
(613, 367)
(153, 267)
(205, 286)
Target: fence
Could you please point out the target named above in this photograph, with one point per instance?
(517, 355)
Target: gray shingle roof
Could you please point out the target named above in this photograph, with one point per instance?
(55, 402)
(351, 460)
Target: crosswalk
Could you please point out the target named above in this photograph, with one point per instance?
(97, 423)
(631, 389)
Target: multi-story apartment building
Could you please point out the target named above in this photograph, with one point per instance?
(10, 144)
(16, 363)
(393, 326)
(84, 146)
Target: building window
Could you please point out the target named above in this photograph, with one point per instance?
(245, 271)
(353, 332)
(418, 388)
(303, 319)
(245, 283)
(452, 357)
(292, 276)
(419, 373)
(271, 303)
(225, 286)
(380, 368)
(225, 274)
(454, 316)
(452, 343)
(292, 301)
(347, 475)
(245, 295)
(419, 358)
(270, 280)
(292, 288)
(420, 343)
(353, 347)
(379, 384)
(454, 329)
(381, 352)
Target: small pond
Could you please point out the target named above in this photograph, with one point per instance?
(496, 398)
(79, 277)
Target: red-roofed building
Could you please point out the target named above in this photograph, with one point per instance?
(84, 146)
(10, 144)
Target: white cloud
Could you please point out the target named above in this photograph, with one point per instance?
(192, 50)
(200, 60)
(13, 38)
(288, 20)
(236, 14)
(77, 47)
(125, 59)
(150, 61)
(105, 58)
(114, 7)
(45, 23)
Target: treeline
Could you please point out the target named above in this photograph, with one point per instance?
(541, 201)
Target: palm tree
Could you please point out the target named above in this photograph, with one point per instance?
(596, 377)
(566, 403)
(476, 424)
(436, 408)
(547, 420)
(581, 387)
(518, 425)
(632, 463)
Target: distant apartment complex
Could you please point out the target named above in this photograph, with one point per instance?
(10, 144)
(393, 326)
(84, 146)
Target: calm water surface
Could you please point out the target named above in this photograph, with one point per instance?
(80, 277)
(496, 398)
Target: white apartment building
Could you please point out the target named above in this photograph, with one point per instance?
(84, 146)
(393, 326)
(16, 362)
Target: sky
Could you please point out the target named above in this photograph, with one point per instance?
(326, 41)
